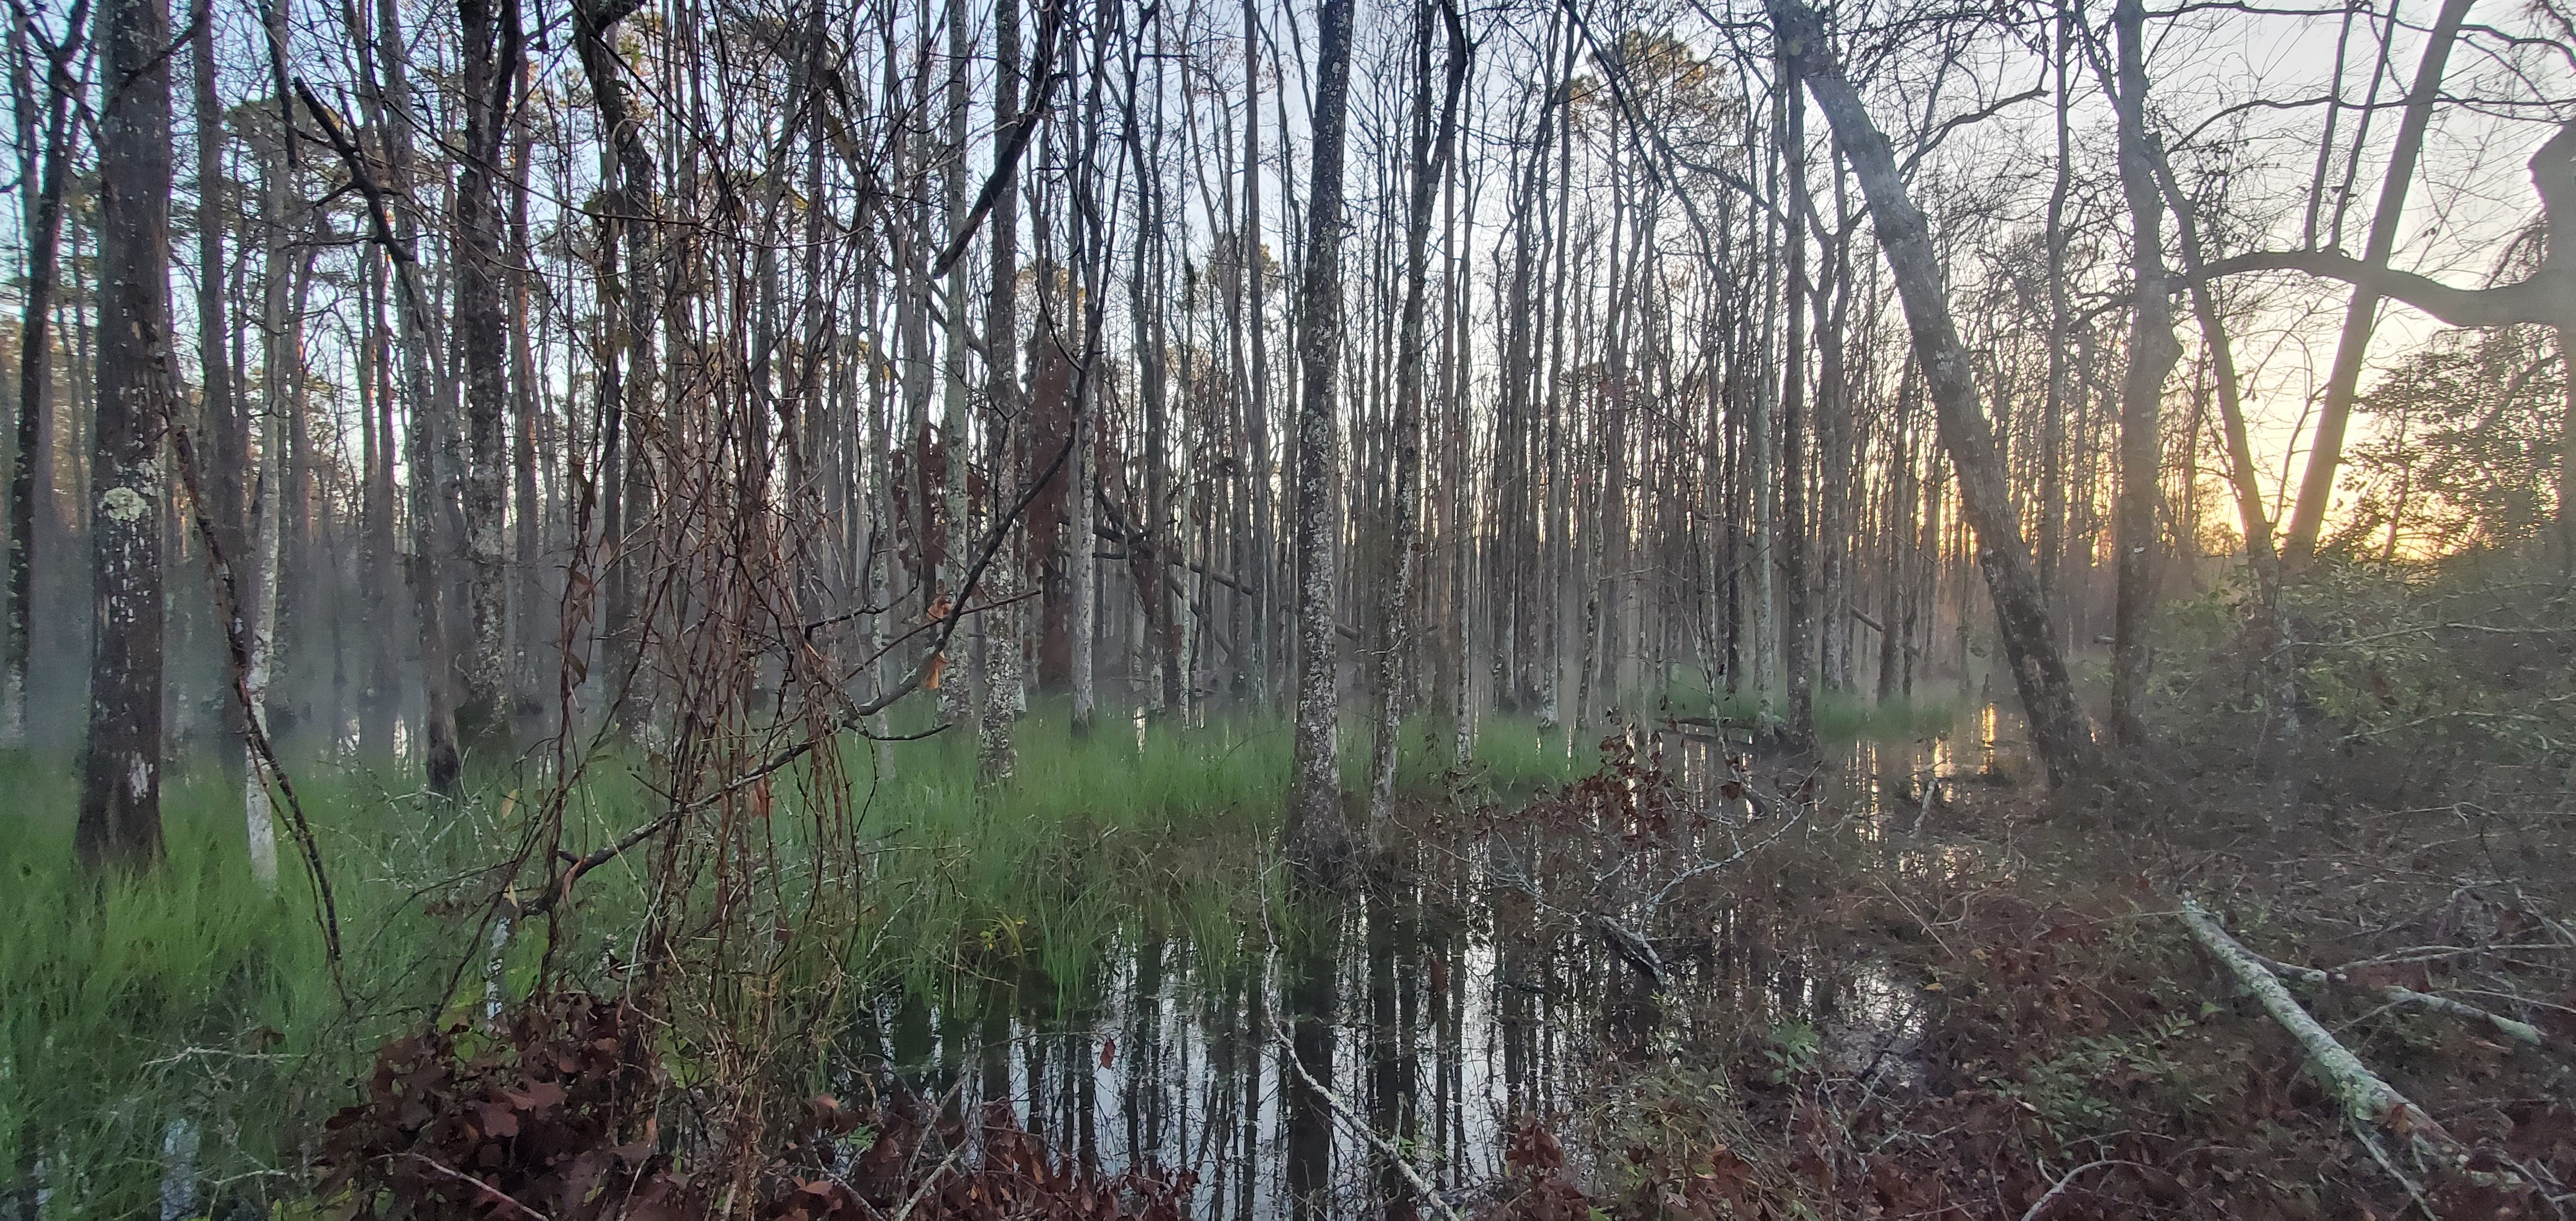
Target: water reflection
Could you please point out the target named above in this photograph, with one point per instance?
(1438, 1008)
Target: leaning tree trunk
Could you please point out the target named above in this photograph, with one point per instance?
(2316, 485)
(120, 806)
(2058, 730)
(1318, 841)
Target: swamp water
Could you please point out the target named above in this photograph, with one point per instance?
(1494, 976)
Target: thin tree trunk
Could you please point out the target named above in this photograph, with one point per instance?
(1259, 654)
(1002, 356)
(957, 698)
(2152, 353)
(1432, 139)
(491, 48)
(533, 625)
(31, 461)
(1318, 840)
(1798, 627)
(2325, 450)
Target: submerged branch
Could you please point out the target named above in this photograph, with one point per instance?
(1350, 1115)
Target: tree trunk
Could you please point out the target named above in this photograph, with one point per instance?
(2058, 731)
(31, 461)
(1318, 840)
(1797, 616)
(535, 624)
(957, 698)
(430, 515)
(120, 808)
(1259, 653)
(1002, 356)
(2152, 353)
(1432, 139)
(2325, 452)
(491, 48)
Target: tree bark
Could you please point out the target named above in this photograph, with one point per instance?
(957, 700)
(1002, 356)
(120, 807)
(1432, 140)
(490, 34)
(2152, 353)
(1797, 617)
(31, 461)
(1318, 840)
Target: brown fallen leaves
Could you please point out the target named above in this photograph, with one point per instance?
(553, 1118)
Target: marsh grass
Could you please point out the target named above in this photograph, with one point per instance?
(190, 993)
(1842, 717)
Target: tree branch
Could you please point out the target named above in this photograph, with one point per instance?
(2548, 296)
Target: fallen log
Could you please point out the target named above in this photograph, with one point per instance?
(2369, 1102)
(2520, 1032)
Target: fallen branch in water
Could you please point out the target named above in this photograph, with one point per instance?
(1352, 1117)
(2368, 1101)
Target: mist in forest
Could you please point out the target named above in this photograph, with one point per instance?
(849, 608)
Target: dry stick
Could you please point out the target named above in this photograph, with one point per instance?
(929, 1182)
(495, 1194)
(2522, 1032)
(2041, 1204)
(1368, 1133)
(2368, 1101)
(254, 735)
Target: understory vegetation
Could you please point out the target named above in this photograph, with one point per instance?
(197, 996)
(1780, 985)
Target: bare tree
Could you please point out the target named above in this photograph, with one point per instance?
(1433, 141)
(2152, 353)
(2343, 382)
(2058, 730)
(1318, 838)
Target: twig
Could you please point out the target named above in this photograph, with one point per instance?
(486, 1188)
(2379, 1153)
(1368, 1133)
(255, 739)
(1706, 867)
(2041, 1204)
(561, 885)
(929, 1181)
